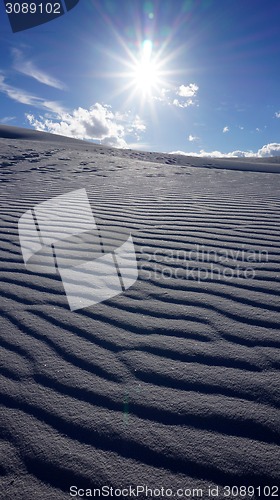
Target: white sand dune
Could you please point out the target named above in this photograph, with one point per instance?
(175, 382)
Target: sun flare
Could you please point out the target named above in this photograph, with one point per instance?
(146, 73)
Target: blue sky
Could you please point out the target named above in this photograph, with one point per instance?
(195, 76)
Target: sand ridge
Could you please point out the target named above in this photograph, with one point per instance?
(175, 382)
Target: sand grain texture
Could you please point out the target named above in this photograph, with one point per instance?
(174, 383)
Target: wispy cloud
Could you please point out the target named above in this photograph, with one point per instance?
(277, 114)
(28, 68)
(225, 130)
(23, 97)
(7, 119)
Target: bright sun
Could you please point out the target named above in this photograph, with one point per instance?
(145, 72)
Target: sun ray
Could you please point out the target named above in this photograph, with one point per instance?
(146, 72)
(144, 67)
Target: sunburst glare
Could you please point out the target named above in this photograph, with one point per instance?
(142, 62)
(146, 74)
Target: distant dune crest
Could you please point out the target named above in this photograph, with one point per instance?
(271, 165)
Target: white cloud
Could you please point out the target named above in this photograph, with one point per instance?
(206, 154)
(134, 126)
(96, 123)
(163, 95)
(187, 90)
(186, 93)
(179, 104)
(192, 138)
(277, 114)
(272, 149)
(28, 68)
(138, 124)
(225, 130)
(183, 104)
(267, 150)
